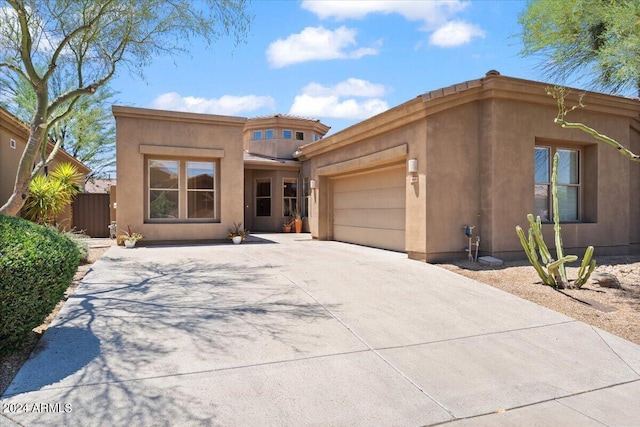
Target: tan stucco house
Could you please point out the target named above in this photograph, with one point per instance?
(476, 153)
(13, 139)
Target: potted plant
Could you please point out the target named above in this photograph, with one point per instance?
(297, 221)
(129, 238)
(237, 234)
(286, 225)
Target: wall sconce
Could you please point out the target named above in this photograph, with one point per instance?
(412, 168)
(412, 165)
(312, 184)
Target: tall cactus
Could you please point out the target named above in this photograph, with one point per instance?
(555, 274)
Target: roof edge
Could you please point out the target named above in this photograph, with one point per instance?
(176, 116)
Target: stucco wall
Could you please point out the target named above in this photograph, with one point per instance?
(9, 159)
(453, 185)
(475, 149)
(373, 152)
(185, 136)
(517, 128)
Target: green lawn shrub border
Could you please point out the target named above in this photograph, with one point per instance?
(37, 264)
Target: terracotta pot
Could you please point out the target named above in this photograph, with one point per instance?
(286, 229)
(298, 225)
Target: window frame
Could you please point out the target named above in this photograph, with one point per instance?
(202, 190)
(259, 134)
(150, 189)
(286, 200)
(290, 134)
(553, 149)
(299, 132)
(182, 190)
(306, 194)
(270, 196)
(269, 131)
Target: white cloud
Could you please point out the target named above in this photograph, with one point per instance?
(437, 17)
(455, 33)
(432, 13)
(316, 43)
(340, 101)
(225, 105)
(349, 87)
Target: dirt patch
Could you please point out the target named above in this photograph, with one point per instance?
(614, 310)
(10, 365)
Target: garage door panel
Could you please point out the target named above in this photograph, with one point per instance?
(392, 178)
(392, 219)
(375, 237)
(369, 209)
(370, 199)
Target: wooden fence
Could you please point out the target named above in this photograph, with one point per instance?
(91, 214)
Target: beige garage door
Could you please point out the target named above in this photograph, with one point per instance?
(369, 209)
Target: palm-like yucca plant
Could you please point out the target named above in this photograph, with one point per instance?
(48, 196)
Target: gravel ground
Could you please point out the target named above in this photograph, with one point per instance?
(614, 310)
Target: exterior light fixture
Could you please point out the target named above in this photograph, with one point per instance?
(312, 184)
(412, 166)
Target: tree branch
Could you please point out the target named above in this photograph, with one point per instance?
(600, 137)
(25, 42)
(559, 93)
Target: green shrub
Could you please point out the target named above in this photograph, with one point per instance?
(37, 264)
(82, 242)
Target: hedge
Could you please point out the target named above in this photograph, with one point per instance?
(37, 264)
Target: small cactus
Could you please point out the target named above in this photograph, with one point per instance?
(555, 274)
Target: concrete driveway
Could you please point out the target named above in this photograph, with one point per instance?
(290, 331)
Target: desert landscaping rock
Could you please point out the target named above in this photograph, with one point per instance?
(606, 280)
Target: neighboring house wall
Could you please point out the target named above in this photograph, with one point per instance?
(11, 129)
(474, 143)
(10, 153)
(183, 139)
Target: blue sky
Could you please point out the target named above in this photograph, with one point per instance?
(337, 61)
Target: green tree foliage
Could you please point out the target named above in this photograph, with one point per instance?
(49, 195)
(596, 39)
(84, 42)
(37, 265)
(87, 133)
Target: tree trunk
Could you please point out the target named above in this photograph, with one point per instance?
(20, 193)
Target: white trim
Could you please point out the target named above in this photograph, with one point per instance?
(12, 143)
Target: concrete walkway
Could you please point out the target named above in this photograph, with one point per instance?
(290, 331)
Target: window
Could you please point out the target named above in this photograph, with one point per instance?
(268, 134)
(12, 143)
(286, 134)
(305, 196)
(257, 135)
(181, 190)
(164, 191)
(290, 196)
(316, 137)
(263, 197)
(299, 136)
(568, 183)
(201, 200)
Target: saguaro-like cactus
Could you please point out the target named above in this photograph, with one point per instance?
(555, 274)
